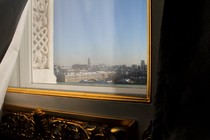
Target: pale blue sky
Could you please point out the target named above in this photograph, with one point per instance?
(111, 32)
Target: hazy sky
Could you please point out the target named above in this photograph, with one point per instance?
(106, 31)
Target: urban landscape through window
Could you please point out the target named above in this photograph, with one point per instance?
(100, 42)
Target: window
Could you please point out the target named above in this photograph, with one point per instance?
(96, 49)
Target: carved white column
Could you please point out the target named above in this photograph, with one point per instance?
(42, 42)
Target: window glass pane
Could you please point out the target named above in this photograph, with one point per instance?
(101, 42)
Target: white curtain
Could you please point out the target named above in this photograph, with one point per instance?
(9, 59)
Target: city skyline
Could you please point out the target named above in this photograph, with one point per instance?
(110, 32)
(89, 63)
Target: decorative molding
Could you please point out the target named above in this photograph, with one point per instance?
(42, 42)
(40, 34)
(40, 125)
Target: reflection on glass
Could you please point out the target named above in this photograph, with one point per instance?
(100, 42)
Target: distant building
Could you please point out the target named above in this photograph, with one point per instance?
(79, 67)
(134, 66)
(73, 76)
(143, 66)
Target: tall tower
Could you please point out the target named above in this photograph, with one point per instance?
(89, 63)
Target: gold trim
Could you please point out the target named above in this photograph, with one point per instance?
(82, 95)
(149, 52)
(67, 114)
(94, 96)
